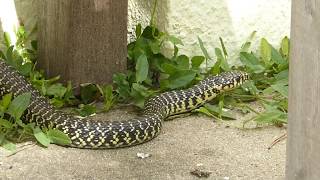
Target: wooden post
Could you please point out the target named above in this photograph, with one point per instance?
(303, 147)
(83, 40)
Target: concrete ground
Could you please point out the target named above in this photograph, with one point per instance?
(194, 143)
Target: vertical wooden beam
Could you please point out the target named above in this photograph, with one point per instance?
(303, 147)
(83, 40)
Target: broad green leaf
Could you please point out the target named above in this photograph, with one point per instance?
(139, 93)
(9, 56)
(52, 80)
(196, 61)
(150, 32)
(282, 78)
(203, 49)
(141, 89)
(13, 57)
(20, 123)
(174, 40)
(221, 105)
(106, 91)
(169, 68)
(223, 62)
(282, 89)
(250, 86)
(8, 145)
(7, 39)
(276, 57)
(25, 69)
(183, 62)
(223, 48)
(252, 35)
(245, 47)
(284, 104)
(268, 91)
(216, 67)
(271, 117)
(123, 87)
(107, 94)
(142, 46)
(58, 137)
(88, 93)
(285, 46)
(175, 52)
(157, 60)
(21, 32)
(142, 68)
(138, 30)
(57, 102)
(283, 66)
(215, 109)
(57, 90)
(251, 62)
(265, 50)
(68, 95)
(19, 105)
(6, 100)
(41, 137)
(5, 123)
(282, 75)
(181, 79)
(155, 47)
(86, 109)
(205, 111)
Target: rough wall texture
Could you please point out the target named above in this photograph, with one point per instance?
(233, 20)
(139, 11)
(27, 13)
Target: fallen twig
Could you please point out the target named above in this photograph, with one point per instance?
(279, 139)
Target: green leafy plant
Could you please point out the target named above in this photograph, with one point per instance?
(109, 99)
(268, 70)
(22, 56)
(269, 74)
(12, 129)
(151, 72)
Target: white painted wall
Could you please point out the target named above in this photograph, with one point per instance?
(139, 11)
(233, 20)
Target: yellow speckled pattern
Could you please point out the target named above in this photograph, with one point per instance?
(87, 133)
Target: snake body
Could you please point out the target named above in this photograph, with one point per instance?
(88, 133)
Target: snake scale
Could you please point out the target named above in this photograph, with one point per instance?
(88, 133)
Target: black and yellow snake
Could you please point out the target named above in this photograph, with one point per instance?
(87, 133)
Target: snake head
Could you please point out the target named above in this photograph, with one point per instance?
(227, 80)
(232, 79)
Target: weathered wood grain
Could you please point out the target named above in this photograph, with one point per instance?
(303, 147)
(83, 40)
